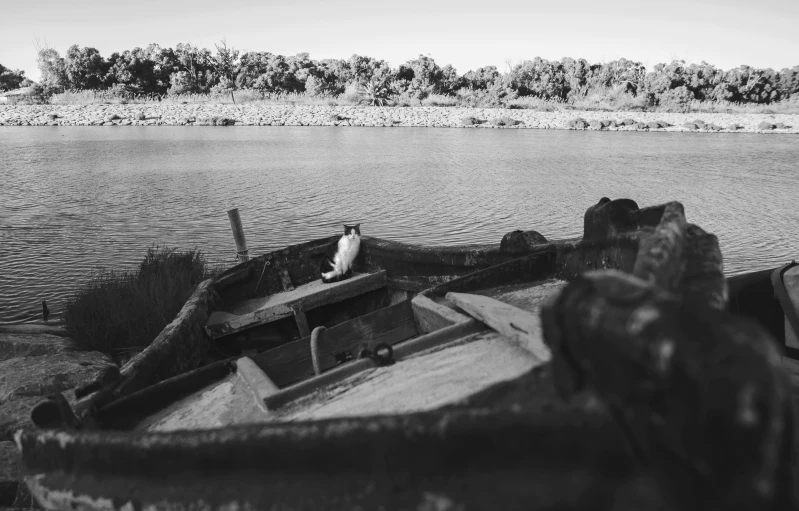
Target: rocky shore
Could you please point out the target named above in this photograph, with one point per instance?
(170, 114)
(35, 361)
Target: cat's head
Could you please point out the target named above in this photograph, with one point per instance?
(352, 230)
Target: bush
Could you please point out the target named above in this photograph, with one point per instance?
(118, 310)
(374, 93)
(678, 99)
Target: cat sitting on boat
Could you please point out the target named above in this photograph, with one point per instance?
(337, 263)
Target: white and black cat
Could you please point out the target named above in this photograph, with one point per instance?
(337, 263)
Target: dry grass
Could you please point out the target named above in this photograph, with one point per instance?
(118, 310)
(789, 106)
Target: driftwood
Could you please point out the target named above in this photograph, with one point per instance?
(699, 394)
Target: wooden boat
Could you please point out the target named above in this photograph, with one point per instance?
(771, 297)
(277, 298)
(458, 411)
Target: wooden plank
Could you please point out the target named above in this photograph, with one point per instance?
(292, 361)
(267, 309)
(419, 282)
(257, 380)
(439, 337)
(431, 316)
(519, 325)
(302, 323)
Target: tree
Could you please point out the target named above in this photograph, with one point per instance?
(134, 70)
(788, 82)
(482, 78)
(450, 81)
(627, 75)
(539, 77)
(52, 69)
(195, 69)
(423, 74)
(85, 68)
(333, 75)
(363, 70)
(10, 79)
(165, 63)
(225, 62)
(575, 77)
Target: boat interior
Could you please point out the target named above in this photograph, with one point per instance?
(382, 348)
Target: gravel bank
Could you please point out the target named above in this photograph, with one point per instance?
(439, 117)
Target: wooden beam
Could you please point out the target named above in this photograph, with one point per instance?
(259, 311)
(520, 325)
(257, 380)
(302, 323)
(292, 361)
(431, 316)
(439, 338)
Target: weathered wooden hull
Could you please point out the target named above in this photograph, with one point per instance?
(534, 458)
(182, 344)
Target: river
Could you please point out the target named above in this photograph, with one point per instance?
(78, 200)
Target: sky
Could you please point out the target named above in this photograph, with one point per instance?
(466, 33)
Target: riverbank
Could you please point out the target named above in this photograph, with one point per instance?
(439, 117)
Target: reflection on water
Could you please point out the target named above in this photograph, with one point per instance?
(75, 200)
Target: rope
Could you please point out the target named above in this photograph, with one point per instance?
(262, 276)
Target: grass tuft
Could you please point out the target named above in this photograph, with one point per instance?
(117, 311)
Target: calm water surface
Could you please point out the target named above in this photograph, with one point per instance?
(78, 200)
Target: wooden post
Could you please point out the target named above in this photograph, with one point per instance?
(242, 254)
(302, 323)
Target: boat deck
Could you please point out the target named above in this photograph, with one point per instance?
(424, 381)
(228, 402)
(528, 296)
(421, 381)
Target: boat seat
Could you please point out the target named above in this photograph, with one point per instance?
(259, 311)
(292, 362)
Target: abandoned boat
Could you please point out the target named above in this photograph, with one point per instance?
(771, 297)
(424, 401)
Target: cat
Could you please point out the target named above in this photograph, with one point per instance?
(337, 263)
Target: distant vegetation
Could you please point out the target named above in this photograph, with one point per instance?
(188, 72)
(12, 79)
(118, 311)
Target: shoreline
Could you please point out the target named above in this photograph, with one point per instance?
(204, 114)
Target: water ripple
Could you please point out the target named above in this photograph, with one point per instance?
(78, 200)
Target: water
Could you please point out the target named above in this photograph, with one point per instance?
(77, 200)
